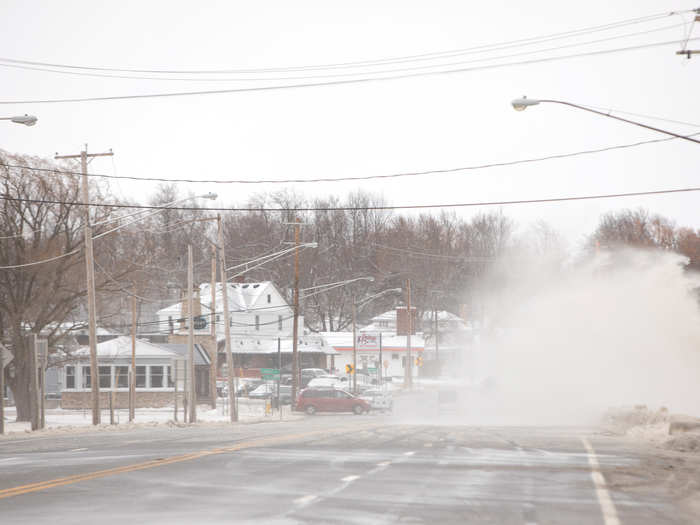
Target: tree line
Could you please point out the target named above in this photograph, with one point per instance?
(445, 256)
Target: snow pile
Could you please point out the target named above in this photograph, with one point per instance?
(655, 427)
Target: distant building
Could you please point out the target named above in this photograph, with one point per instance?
(154, 379)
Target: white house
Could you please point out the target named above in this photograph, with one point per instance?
(154, 373)
(254, 309)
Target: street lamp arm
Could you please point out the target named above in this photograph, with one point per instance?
(366, 300)
(521, 104)
(338, 283)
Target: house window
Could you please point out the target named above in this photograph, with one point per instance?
(395, 356)
(70, 377)
(403, 361)
(269, 298)
(121, 376)
(105, 373)
(279, 323)
(171, 379)
(86, 377)
(257, 322)
(156, 377)
(140, 377)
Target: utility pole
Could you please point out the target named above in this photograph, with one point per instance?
(354, 346)
(437, 335)
(90, 271)
(409, 364)
(132, 372)
(34, 383)
(233, 409)
(190, 335)
(2, 389)
(295, 329)
(215, 352)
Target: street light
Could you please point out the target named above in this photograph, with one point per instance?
(521, 104)
(357, 306)
(27, 120)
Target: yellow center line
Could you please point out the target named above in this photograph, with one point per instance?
(43, 485)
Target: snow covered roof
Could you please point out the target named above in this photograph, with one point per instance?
(260, 345)
(241, 296)
(201, 357)
(442, 315)
(121, 347)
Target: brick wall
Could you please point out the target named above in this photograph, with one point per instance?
(143, 399)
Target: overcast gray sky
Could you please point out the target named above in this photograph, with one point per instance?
(420, 123)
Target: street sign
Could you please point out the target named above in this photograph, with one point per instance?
(368, 341)
(6, 355)
(42, 349)
(371, 370)
(349, 369)
(270, 373)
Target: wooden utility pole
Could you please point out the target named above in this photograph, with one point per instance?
(409, 322)
(215, 347)
(90, 271)
(132, 371)
(190, 335)
(295, 329)
(33, 383)
(233, 409)
(2, 389)
(354, 345)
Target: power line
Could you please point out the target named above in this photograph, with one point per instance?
(339, 75)
(363, 177)
(363, 63)
(343, 82)
(464, 258)
(382, 208)
(43, 261)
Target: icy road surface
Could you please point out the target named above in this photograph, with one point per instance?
(343, 469)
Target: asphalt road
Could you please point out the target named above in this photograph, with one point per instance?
(338, 469)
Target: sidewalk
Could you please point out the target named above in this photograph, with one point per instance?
(65, 421)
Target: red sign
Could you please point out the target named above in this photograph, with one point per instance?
(368, 341)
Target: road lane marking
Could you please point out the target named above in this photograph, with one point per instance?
(78, 449)
(606, 504)
(58, 482)
(349, 479)
(408, 453)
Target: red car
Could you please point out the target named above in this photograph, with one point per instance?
(312, 400)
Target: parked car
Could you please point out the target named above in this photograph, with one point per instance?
(325, 381)
(378, 399)
(264, 391)
(247, 386)
(307, 374)
(312, 400)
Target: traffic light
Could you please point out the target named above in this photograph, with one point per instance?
(349, 369)
(419, 360)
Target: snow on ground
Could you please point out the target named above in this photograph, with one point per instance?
(66, 421)
(660, 428)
